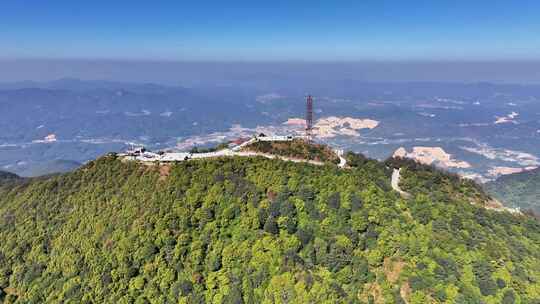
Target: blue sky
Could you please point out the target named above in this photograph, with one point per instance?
(271, 30)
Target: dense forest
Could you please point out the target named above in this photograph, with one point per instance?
(518, 190)
(254, 230)
(8, 179)
(436, 183)
(296, 148)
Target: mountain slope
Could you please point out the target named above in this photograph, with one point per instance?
(253, 230)
(8, 176)
(518, 190)
(8, 179)
(296, 148)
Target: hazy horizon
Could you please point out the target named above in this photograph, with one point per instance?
(237, 42)
(174, 72)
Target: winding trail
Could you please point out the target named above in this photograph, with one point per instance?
(150, 157)
(181, 157)
(342, 160)
(396, 176)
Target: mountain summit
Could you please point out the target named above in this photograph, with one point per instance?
(258, 230)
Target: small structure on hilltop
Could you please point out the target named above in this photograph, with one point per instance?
(275, 138)
(135, 151)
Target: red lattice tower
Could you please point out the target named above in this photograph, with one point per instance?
(309, 117)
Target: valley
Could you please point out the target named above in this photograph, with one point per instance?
(375, 119)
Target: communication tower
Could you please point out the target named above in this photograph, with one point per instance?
(309, 118)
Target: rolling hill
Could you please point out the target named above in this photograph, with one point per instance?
(518, 190)
(8, 176)
(255, 230)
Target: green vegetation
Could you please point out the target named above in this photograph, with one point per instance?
(518, 190)
(436, 184)
(296, 148)
(254, 230)
(8, 179)
(220, 146)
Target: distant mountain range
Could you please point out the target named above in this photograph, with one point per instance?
(491, 129)
(129, 111)
(54, 166)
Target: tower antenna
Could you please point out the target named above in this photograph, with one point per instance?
(309, 118)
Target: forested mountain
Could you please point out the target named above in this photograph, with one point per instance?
(297, 148)
(8, 179)
(254, 230)
(518, 190)
(8, 176)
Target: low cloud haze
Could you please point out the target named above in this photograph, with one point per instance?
(269, 73)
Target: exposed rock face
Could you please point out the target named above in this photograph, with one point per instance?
(401, 152)
(332, 126)
(507, 119)
(498, 171)
(432, 156)
(47, 139)
(522, 159)
(50, 138)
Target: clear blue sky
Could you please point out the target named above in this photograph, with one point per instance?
(271, 30)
